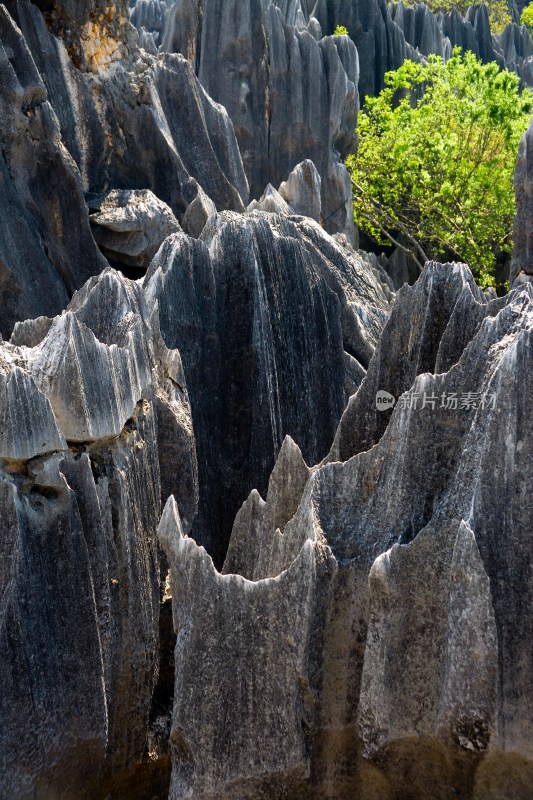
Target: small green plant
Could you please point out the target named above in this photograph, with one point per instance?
(340, 30)
(434, 169)
(527, 17)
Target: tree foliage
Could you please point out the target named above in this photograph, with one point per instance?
(498, 10)
(340, 30)
(527, 17)
(436, 157)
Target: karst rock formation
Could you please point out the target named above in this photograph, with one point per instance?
(265, 512)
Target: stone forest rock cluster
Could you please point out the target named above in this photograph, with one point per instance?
(227, 573)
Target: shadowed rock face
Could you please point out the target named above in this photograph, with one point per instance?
(401, 575)
(130, 122)
(290, 93)
(126, 126)
(266, 312)
(41, 264)
(427, 332)
(522, 262)
(381, 44)
(385, 35)
(82, 397)
(149, 16)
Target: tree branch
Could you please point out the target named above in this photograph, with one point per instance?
(394, 222)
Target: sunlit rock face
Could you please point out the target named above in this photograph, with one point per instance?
(371, 616)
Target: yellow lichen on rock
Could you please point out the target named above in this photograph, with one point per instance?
(98, 42)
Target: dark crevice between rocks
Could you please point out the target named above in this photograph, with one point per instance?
(133, 273)
(160, 722)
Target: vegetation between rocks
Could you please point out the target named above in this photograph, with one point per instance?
(434, 168)
(498, 10)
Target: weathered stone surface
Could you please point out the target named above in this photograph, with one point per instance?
(270, 201)
(125, 124)
(42, 195)
(127, 121)
(516, 47)
(368, 634)
(290, 97)
(80, 493)
(199, 208)
(302, 191)
(430, 613)
(381, 44)
(420, 331)
(262, 310)
(149, 17)
(257, 536)
(28, 426)
(410, 565)
(386, 34)
(522, 261)
(96, 33)
(206, 763)
(130, 225)
(421, 28)
(402, 268)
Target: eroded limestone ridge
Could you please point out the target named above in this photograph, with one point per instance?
(102, 420)
(370, 629)
(276, 324)
(368, 633)
(82, 399)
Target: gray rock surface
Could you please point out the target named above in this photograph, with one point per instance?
(385, 35)
(522, 261)
(199, 208)
(81, 117)
(403, 581)
(368, 633)
(262, 310)
(149, 17)
(302, 191)
(82, 398)
(516, 47)
(289, 96)
(270, 201)
(411, 344)
(130, 226)
(41, 264)
(421, 28)
(380, 42)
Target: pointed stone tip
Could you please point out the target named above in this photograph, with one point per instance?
(170, 529)
(255, 498)
(290, 450)
(170, 512)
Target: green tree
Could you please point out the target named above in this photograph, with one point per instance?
(527, 17)
(340, 30)
(434, 168)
